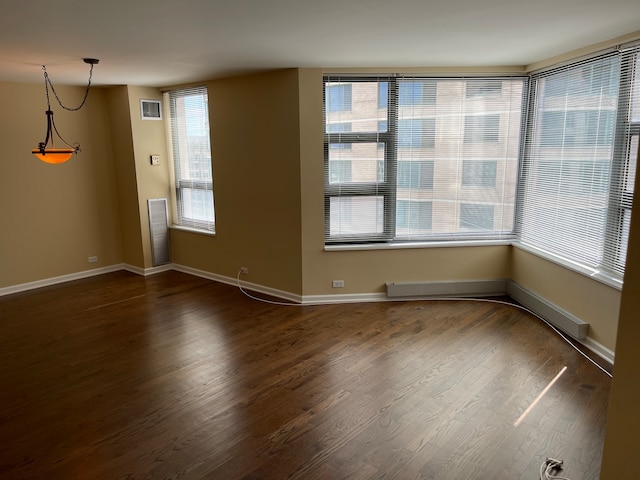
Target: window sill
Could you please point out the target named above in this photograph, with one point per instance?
(595, 275)
(576, 267)
(403, 246)
(193, 230)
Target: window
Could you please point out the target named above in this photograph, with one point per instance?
(383, 94)
(413, 216)
(337, 128)
(340, 171)
(484, 88)
(338, 98)
(417, 132)
(456, 150)
(192, 158)
(579, 162)
(415, 174)
(481, 128)
(408, 158)
(416, 92)
(475, 216)
(577, 128)
(479, 173)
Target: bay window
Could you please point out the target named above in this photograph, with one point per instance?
(545, 161)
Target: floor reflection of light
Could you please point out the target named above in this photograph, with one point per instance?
(539, 397)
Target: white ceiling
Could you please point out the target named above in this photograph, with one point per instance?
(168, 42)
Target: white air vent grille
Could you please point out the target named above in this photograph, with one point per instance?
(159, 229)
(150, 109)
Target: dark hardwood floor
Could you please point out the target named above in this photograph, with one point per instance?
(173, 376)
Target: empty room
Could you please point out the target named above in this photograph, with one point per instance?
(357, 240)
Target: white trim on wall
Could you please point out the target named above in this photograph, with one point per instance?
(552, 313)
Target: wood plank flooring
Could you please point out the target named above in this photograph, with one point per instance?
(173, 376)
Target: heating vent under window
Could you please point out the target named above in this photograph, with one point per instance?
(475, 288)
(159, 230)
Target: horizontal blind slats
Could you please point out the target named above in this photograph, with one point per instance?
(434, 158)
(192, 158)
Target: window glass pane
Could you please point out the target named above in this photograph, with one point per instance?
(484, 87)
(416, 175)
(476, 217)
(481, 128)
(339, 128)
(479, 173)
(362, 160)
(630, 179)
(356, 216)
(423, 162)
(197, 204)
(355, 103)
(339, 98)
(577, 128)
(413, 217)
(417, 132)
(569, 163)
(383, 94)
(417, 92)
(192, 157)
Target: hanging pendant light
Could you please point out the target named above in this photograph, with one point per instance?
(46, 150)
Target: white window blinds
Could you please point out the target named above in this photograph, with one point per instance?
(579, 163)
(416, 158)
(192, 158)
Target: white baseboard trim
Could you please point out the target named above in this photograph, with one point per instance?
(558, 317)
(600, 350)
(46, 282)
(147, 271)
(254, 287)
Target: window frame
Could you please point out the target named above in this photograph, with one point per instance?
(610, 268)
(390, 142)
(184, 185)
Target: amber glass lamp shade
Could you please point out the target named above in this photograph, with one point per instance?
(54, 155)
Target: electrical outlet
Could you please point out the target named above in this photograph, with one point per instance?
(337, 284)
(244, 270)
(93, 259)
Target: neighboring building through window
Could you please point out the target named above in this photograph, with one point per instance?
(482, 128)
(576, 201)
(479, 173)
(438, 158)
(338, 98)
(410, 163)
(189, 124)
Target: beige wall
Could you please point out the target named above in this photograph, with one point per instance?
(152, 181)
(590, 300)
(126, 181)
(256, 171)
(268, 180)
(55, 216)
(620, 460)
(368, 271)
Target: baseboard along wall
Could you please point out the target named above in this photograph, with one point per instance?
(395, 291)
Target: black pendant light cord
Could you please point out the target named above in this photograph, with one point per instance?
(47, 83)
